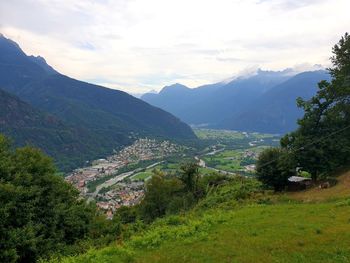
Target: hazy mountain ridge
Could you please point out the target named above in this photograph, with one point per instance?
(230, 105)
(276, 111)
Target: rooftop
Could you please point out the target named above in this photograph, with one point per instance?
(296, 179)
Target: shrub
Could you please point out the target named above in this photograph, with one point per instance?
(238, 189)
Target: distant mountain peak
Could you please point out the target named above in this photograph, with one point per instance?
(174, 87)
(9, 44)
(251, 72)
(152, 91)
(39, 60)
(11, 49)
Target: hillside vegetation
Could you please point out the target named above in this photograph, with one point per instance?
(259, 227)
(27, 125)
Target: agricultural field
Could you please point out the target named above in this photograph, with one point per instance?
(235, 139)
(210, 134)
(236, 161)
(234, 151)
(169, 167)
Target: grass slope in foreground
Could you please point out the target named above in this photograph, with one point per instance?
(282, 229)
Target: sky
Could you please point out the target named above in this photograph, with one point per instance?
(138, 45)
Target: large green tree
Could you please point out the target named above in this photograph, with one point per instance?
(169, 194)
(322, 141)
(274, 167)
(40, 214)
(189, 175)
(159, 193)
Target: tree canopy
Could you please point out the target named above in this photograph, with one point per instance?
(40, 214)
(274, 167)
(322, 141)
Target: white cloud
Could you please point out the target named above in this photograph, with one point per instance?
(139, 45)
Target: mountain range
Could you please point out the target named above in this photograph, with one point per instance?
(263, 102)
(74, 121)
(87, 120)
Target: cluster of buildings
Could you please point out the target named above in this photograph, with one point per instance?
(144, 149)
(124, 194)
(254, 143)
(140, 150)
(100, 168)
(250, 168)
(250, 154)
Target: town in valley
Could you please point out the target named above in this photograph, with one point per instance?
(119, 180)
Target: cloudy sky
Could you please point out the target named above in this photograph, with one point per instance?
(138, 45)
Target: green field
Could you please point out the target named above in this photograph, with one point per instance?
(225, 150)
(232, 160)
(235, 138)
(206, 134)
(260, 233)
(142, 175)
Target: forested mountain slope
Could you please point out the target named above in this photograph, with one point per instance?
(111, 117)
(27, 125)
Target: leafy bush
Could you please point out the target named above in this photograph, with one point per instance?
(106, 255)
(230, 194)
(169, 193)
(127, 214)
(345, 202)
(304, 174)
(174, 228)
